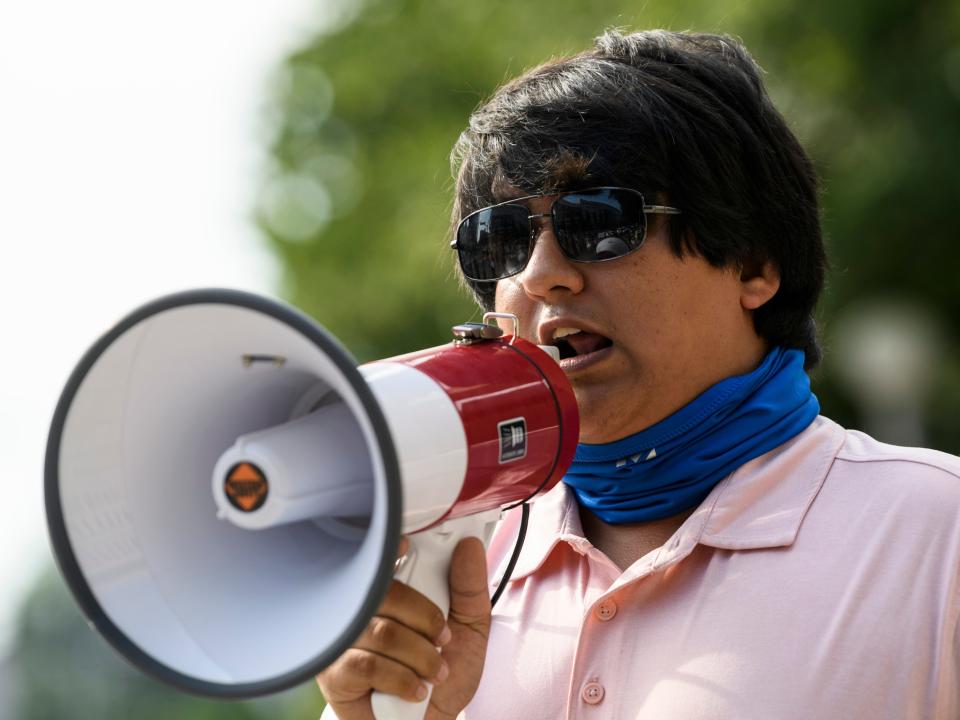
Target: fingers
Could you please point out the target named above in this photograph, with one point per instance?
(389, 638)
(397, 653)
(470, 623)
(357, 672)
(412, 609)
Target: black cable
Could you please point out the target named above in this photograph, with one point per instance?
(524, 518)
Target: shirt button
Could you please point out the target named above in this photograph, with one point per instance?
(606, 610)
(592, 693)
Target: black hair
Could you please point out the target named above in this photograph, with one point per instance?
(683, 115)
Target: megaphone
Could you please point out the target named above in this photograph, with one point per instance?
(226, 489)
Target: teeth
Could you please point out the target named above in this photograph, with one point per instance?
(564, 331)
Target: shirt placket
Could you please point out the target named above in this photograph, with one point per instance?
(593, 687)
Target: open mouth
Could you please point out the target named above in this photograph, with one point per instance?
(574, 343)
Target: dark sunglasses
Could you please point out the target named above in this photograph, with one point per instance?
(593, 225)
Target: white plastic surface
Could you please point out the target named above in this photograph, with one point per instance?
(210, 600)
(426, 568)
(551, 350)
(316, 466)
(428, 435)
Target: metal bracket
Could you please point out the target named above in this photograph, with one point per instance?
(505, 316)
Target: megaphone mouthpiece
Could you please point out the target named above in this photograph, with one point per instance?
(313, 466)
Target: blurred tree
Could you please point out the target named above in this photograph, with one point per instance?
(62, 669)
(357, 203)
(875, 91)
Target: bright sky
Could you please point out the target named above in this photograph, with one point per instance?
(132, 138)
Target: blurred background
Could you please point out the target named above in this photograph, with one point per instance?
(300, 149)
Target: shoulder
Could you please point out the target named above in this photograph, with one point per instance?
(923, 482)
(885, 519)
(861, 453)
(859, 447)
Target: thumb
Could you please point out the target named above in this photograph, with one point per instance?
(469, 591)
(469, 621)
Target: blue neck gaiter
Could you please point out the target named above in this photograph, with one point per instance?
(673, 465)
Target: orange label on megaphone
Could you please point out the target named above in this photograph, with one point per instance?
(246, 487)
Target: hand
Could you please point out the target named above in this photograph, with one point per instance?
(398, 650)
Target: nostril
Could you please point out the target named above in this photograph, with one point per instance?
(548, 270)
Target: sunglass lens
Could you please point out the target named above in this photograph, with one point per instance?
(599, 224)
(494, 243)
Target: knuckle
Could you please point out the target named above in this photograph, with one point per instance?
(382, 632)
(330, 675)
(395, 593)
(363, 664)
(321, 680)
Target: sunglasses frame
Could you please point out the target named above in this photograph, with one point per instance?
(535, 230)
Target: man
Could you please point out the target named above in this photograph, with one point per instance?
(718, 550)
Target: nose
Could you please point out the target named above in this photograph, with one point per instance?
(549, 273)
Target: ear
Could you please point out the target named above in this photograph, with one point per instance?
(758, 283)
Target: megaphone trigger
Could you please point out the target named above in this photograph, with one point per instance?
(426, 568)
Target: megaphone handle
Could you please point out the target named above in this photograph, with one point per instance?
(426, 568)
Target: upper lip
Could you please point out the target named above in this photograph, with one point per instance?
(546, 329)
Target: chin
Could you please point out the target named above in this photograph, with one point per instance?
(597, 424)
(604, 417)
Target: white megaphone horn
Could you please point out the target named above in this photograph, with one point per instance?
(226, 489)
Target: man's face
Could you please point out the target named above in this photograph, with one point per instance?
(655, 330)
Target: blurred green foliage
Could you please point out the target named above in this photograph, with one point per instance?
(62, 669)
(357, 203)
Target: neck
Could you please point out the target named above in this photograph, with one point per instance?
(625, 544)
(673, 465)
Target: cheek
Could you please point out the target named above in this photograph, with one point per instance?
(508, 296)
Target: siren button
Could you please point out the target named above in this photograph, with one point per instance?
(246, 487)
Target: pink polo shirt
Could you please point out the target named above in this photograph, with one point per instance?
(818, 581)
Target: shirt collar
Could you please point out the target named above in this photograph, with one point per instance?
(760, 505)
